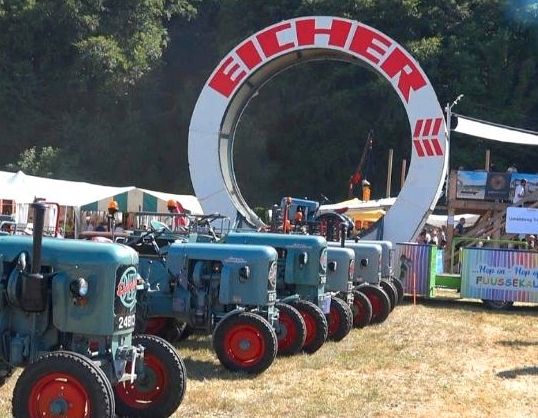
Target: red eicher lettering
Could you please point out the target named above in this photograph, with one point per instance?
(223, 81)
(307, 31)
(410, 77)
(363, 43)
(269, 42)
(249, 54)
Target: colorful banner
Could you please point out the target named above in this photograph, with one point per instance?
(483, 185)
(499, 274)
(415, 264)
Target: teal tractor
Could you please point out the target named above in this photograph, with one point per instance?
(224, 290)
(302, 274)
(340, 282)
(367, 278)
(67, 315)
(387, 270)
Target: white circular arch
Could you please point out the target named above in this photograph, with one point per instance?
(256, 60)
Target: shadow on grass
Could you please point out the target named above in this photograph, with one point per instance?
(471, 305)
(206, 370)
(517, 343)
(196, 342)
(523, 371)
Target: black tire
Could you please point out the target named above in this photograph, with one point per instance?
(399, 288)
(339, 320)
(379, 300)
(160, 390)
(78, 382)
(290, 331)
(391, 292)
(498, 305)
(316, 325)
(170, 329)
(362, 310)
(245, 342)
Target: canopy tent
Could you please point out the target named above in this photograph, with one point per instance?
(371, 216)
(441, 220)
(356, 206)
(143, 200)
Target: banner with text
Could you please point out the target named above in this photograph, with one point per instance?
(522, 220)
(499, 274)
(484, 185)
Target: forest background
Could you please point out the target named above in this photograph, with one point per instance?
(103, 90)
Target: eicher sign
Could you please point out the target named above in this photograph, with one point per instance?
(256, 60)
(521, 220)
(499, 274)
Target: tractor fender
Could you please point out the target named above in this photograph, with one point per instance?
(236, 311)
(289, 299)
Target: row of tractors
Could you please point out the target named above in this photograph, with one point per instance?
(93, 323)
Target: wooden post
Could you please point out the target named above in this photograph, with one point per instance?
(488, 159)
(452, 183)
(404, 170)
(389, 173)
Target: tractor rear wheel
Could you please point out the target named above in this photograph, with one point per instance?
(316, 325)
(340, 319)
(391, 292)
(245, 342)
(399, 287)
(291, 330)
(379, 300)
(62, 383)
(498, 305)
(171, 329)
(159, 390)
(362, 310)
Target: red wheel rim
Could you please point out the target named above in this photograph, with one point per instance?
(334, 320)
(288, 331)
(148, 388)
(244, 345)
(377, 306)
(359, 311)
(58, 394)
(311, 328)
(155, 326)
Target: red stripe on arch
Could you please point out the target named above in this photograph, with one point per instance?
(437, 126)
(427, 147)
(418, 128)
(437, 146)
(427, 127)
(418, 148)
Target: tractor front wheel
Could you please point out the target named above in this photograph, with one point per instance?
(316, 325)
(62, 383)
(399, 288)
(379, 300)
(245, 342)
(340, 319)
(362, 310)
(291, 330)
(159, 389)
(391, 292)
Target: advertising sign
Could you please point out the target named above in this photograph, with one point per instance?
(483, 185)
(499, 274)
(416, 264)
(498, 186)
(521, 220)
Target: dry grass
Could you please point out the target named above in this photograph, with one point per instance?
(445, 359)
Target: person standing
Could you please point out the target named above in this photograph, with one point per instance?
(520, 192)
(458, 229)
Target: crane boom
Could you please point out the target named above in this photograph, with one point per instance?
(357, 174)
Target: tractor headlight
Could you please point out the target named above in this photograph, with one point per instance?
(79, 287)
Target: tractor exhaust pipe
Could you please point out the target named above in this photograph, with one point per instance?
(34, 293)
(343, 234)
(39, 223)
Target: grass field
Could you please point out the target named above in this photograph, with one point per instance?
(444, 359)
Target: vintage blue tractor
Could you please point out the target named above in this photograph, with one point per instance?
(387, 273)
(340, 276)
(367, 278)
(302, 273)
(67, 314)
(226, 290)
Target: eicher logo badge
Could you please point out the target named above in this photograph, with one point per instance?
(126, 290)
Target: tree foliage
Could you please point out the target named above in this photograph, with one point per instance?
(113, 83)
